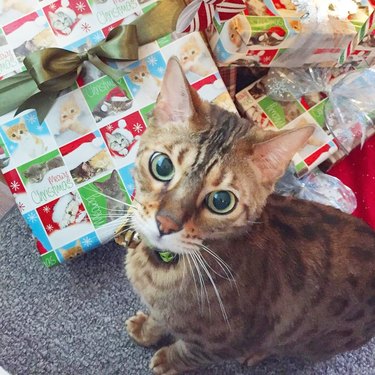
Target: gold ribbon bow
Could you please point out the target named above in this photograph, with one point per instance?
(51, 70)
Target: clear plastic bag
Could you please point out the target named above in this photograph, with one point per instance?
(350, 108)
(318, 187)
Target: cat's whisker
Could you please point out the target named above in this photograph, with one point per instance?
(183, 271)
(225, 277)
(200, 277)
(137, 201)
(195, 256)
(223, 265)
(100, 194)
(188, 256)
(221, 304)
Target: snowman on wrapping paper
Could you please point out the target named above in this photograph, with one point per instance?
(67, 211)
(64, 19)
(120, 139)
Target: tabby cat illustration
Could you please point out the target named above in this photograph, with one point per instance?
(110, 188)
(72, 252)
(99, 163)
(149, 84)
(231, 270)
(120, 140)
(191, 56)
(109, 107)
(36, 172)
(31, 144)
(64, 18)
(69, 114)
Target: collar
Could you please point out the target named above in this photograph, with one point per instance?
(130, 238)
(166, 256)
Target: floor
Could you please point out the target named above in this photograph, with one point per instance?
(6, 201)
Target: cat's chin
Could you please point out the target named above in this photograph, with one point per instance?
(163, 243)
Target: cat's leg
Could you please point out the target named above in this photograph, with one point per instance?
(253, 359)
(178, 358)
(144, 329)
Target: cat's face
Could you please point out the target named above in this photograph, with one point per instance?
(139, 74)
(69, 111)
(60, 21)
(35, 173)
(117, 141)
(201, 173)
(72, 252)
(110, 187)
(235, 31)
(17, 132)
(189, 52)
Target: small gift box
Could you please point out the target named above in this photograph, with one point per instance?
(335, 101)
(71, 172)
(267, 113)
(292, 33)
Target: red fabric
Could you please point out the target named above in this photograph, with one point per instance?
(357, 171)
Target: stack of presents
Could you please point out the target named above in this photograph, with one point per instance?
(69, 166)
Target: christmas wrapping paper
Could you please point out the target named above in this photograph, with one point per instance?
(270, 114)
(336, 101)
(274, 33)
(71, 175)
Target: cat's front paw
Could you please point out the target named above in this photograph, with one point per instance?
(160, 365)
(136, 327)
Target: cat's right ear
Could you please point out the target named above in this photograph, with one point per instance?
(272, 157)
(175, 102)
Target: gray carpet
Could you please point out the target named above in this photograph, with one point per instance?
(70, 319)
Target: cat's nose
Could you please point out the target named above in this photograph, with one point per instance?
(166, 224)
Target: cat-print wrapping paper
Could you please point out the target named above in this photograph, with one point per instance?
(270, 114)
(275, 33)
(71, 176)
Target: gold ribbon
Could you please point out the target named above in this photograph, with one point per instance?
(51, 70)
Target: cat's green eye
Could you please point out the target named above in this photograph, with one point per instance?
(221, 202)
(161, 167)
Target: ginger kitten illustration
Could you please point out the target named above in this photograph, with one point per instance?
(191, 56)
(150, 85)
(69, 114)
(227, 268)
(31, 144)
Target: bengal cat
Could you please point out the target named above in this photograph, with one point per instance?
(226, 267)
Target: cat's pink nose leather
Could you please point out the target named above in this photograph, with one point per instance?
(166, 225)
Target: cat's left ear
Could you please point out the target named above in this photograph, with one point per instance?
(272, 157)
(175, 102)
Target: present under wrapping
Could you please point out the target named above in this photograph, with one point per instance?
(71, 175)
(277, 33)
(335, 101)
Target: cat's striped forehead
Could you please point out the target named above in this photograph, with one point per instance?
(218, 140)
(199, 150)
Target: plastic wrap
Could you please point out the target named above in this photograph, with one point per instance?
(318, 187)
(349, 110)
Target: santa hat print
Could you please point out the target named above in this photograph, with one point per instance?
(125, 132)
(115, 95)
(71, 203)
(66, 10)
(84, 152)
(277, 33)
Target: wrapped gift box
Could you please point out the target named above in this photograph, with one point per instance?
(269, 29)
(71, 175)
(287, 99)
(269, 114)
